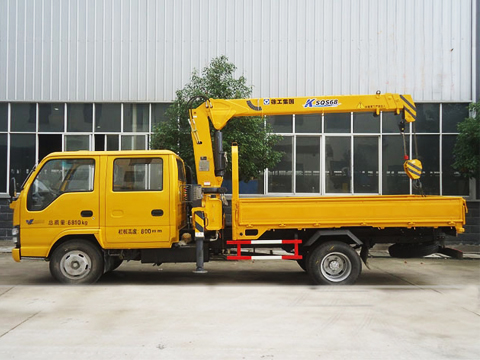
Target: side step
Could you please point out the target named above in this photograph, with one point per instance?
(239, 255)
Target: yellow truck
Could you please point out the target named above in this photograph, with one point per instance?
(85, 212)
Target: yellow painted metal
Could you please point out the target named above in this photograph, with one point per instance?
(413, 168)
(16, 255)
(408, 211)
(121, 220)
(220, 111)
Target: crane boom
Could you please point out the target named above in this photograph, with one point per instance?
(219, 112)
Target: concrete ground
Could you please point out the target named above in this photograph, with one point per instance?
(400, 309)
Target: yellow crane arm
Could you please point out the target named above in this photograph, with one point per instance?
(219, 112)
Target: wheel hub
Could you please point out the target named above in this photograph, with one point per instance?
(336, 267)
(75, 264)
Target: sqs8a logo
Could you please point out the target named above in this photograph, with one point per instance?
(321, 103)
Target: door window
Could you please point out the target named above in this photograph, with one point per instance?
(57, 177)
(138, 174)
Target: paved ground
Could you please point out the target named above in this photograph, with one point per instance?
(399, 309)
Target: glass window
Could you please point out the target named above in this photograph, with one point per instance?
(79, 117)
(365, 165)
(280, 177)
(77, 142)
(108, 117)
(22, 156)
(337, 123)
(394, 179)
(452, 182)
(159, 114)
(390, 123)
(428, 154)
(452, 114)
(307, 166)
(366, 123)
(428, 116)
(337, 164)
(133, 142)
(135, 117)
(3, 116)
(23, 117)
(113, 142)
(308, 123)
(138, 174)
(3, 163)
(58, 177)
(281, 123)
(51, 117)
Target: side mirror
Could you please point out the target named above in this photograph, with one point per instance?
(13, 188)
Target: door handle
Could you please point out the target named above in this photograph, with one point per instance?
(86, 213)
(157, 212)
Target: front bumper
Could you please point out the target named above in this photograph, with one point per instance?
(16, 254)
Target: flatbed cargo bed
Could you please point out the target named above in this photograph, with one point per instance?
(251, 217)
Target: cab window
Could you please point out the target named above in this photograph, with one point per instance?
(57, 177)
(138, 174)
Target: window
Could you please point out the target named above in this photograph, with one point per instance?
(338, 167)
(51, 117)
(133, 142)
(138, 174)
(337, 123)
(57, 177)
(77, 142)
(366, 123)
(281, 123)
(24, 117)
(79, 117)
(308, 123)
(108, 117)
(280, 177)
(428, 118)
(394, 179)
(452, 114)
(159, 114)
(307, 165)
(365, 165)
(22, 155)
(3, 116)
(3, 162)
(135, 117)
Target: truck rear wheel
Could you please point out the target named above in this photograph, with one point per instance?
(334, 263)
(77, 262)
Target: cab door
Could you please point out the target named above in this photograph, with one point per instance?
(137, 202)
(63, 199)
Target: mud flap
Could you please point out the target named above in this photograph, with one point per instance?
(364, 255)
(453, 253)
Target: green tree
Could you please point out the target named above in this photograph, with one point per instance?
(467, 146)
(253, 136)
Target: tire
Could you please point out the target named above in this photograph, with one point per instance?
(407, 251)
(334, 263)
(77, 262)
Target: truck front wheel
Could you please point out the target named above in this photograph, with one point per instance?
(77, 262)
(334, 263)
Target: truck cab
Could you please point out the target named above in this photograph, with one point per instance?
(114, 200)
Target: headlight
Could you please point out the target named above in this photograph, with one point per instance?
(16, 236)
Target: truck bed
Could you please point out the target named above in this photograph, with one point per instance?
(251, 217)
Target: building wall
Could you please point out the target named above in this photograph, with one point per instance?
(143, 50)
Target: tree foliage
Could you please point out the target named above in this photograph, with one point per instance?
(467, 146)
(253, 136)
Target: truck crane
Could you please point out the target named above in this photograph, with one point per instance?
(85, 212)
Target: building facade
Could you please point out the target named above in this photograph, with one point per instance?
(99, 75)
